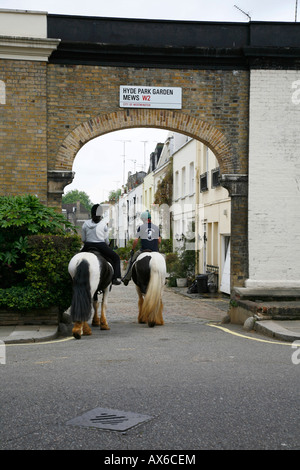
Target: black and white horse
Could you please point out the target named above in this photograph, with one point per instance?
(149, 276)
(91, 274)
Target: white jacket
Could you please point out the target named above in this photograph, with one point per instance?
(95, 233)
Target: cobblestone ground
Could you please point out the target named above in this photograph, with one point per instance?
(178, 305)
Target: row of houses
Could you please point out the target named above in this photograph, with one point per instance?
(191, 208)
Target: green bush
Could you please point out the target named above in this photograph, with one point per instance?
(180, 265)
(21, 216)
(166, 245)
(23, 298)
(47, 281)
(34, 255)
(124, 252)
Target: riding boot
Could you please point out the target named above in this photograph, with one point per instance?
(127, 277)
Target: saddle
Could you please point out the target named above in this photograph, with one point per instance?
(95, 251)
(91, 250)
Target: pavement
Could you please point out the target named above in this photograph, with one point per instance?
(214, 307)
(28, 333)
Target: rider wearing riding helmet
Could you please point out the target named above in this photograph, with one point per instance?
(95, 235)
(149, 235)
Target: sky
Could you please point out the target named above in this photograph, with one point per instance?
(97, 178)
(91, 176)
(198, 10)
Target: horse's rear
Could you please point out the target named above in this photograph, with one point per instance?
(90, 273)
(149, 276)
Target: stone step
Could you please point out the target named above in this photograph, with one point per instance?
(275, 304)
(264, 294)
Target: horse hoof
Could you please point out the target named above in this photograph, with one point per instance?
(86, 329)
(76, 335)
(104, 327)
(95, 323)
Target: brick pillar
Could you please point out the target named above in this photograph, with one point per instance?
(57, 180)
(237, 186)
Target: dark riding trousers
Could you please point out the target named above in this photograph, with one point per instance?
(110, 255)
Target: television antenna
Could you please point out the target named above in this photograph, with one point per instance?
(144, 142)
(124, 143)
(134, 163)
(247, 14)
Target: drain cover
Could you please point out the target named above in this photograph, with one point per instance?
(105, 418)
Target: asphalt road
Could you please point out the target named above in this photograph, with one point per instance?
(201, 387)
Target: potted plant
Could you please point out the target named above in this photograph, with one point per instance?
(181, 267)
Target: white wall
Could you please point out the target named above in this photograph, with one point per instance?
(183, 195)
(274, 179)
(30, 24)
(135, 209)
(23, 36)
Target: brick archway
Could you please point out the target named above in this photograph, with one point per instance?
(61, 88)
(235, 182)
(171, 120)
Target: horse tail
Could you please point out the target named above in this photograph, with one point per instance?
(81, 299)
(152, 305)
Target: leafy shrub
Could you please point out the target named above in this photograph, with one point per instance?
(47, 281)
(180, 265)
(34, 255)
(21, 216)
(23, 298)
(124, 252)
(166, 245)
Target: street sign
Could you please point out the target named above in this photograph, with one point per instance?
(135, 96)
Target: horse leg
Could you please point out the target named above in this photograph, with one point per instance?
(96, 319)
(77, 329)
(159, 317)
(86, 329)
(140, 305)
(81, 329)
(103, 321)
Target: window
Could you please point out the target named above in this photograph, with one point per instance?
(176, 188)
(203, 182)
(183, 182)
(215, 177)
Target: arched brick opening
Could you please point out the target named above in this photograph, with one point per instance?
(165, 119)
(236, 183)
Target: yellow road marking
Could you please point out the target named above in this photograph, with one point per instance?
(248, 337)
(40, 342)
(226, 330)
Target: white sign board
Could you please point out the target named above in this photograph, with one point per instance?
(136, 96)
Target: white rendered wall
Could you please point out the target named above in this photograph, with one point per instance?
(23, 36)
(30, 24)
(274, 179)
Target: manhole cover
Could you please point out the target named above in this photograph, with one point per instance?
(105, 418)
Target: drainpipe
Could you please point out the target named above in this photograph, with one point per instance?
(197, 198)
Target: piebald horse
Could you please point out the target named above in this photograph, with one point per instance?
(91, 274)
(149, 276)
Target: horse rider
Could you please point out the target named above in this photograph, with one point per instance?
(95, 236)
(149, 235)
